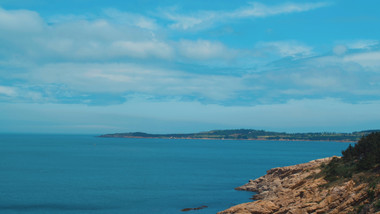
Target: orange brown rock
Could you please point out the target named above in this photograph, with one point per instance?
(294, 189)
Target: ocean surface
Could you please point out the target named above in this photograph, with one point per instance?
(86, 174)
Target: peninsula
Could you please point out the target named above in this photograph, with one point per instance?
(347, 184)
(250, 134)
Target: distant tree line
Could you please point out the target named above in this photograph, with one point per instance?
(251, 134)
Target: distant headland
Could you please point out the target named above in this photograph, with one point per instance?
(251, 134)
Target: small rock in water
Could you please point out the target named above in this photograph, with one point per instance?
(197, 208)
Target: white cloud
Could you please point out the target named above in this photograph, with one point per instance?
(23, 94)
(204, 19)
(351, 77)
(142, 49)
(27, 35)
(286, 48)
(261, 10)
(362, 44)
(185, 22)
(59, 19)
(101, 40)
(8, 91)
(133, 78)
(204, 49)
(340, 49)
(145, 57)
(78, 39)
(367, 59)
(345, 46)
(132, 19)
(320, 82)
(20, 21)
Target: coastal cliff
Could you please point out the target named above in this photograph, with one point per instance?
(302, 189)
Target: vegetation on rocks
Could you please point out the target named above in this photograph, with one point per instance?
(363, 157)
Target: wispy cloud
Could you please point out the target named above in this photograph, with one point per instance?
(133, 19)
(363, 44)
(356, 45)
(261, 10)
(124, 78)
(286, 48)
(202, 19)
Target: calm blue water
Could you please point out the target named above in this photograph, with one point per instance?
(86, 174)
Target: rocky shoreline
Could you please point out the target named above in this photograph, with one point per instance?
(296, 189)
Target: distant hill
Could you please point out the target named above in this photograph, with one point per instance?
(250, 134)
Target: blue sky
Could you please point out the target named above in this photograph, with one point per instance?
(188, 66)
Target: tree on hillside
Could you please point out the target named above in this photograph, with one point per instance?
(366, 153)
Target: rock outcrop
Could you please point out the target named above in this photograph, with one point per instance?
(296, 189)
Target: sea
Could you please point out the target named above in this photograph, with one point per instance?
(87, 174)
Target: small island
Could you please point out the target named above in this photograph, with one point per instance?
(251, 134)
